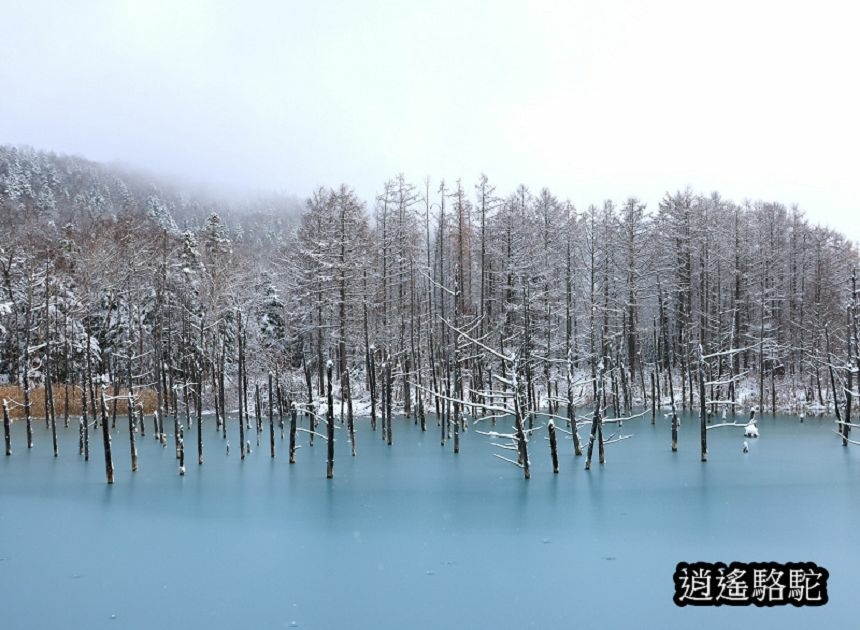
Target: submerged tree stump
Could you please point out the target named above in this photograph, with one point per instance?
(553, 445)
(181, 452)
(6, 432)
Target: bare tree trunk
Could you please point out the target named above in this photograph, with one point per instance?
(293, 414)
(653, 398)
(186, 403)
(703, 412)
(181, 452)
(85, 425)
(571, 412)
(311, 417)
(199, 405)
(215, 394)
(258, 411)
(553, 445)
(842, 426)
(279, 402)
(596, 419)
(131, 442)
(330, 422)
(849, 386)
(49, 403)
(242, 393)
(388, 400)
(115, 400)
(519, 400)
(350, 418)
(106, 441)
(369, 361)
(6, 428)
(25, 372)
(175, 408)
(271, 420)
(66, 370)
(222, 394)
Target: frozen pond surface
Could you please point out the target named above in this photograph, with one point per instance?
(413, 536)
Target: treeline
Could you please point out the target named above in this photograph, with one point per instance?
(449, 299)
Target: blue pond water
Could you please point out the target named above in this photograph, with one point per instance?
(413, 536)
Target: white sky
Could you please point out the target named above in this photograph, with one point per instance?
(595, 100)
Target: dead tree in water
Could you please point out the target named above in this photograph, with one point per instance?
(132, 445)
(242, 392)
(571, 408)
(271, 419)
(25, 372)
(310, 404)
(181, 452)
(258, 411)
(49, 401)
(843, 427)
(666, 350)
(175, 407)
(50, 416)
(199, 406)
(85, 425)
(222, 396)
(115, 396)
(106, 441)
(369, 366)
(6, 436)
(330, 421)
(382, 400)
(66, 384)
(553, 445)
(520, 405)
(388, 400)
(653, 398)
(279, 402)
(293, 414)
(597, 421)
(674, 413)
(703, 413)
(459, 409)
(130, 409)
(371, 378)
(346, 390)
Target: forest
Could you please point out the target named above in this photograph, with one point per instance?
(449, 304)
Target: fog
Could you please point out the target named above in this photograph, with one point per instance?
(592, 99)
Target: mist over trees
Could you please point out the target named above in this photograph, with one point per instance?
(447, 298)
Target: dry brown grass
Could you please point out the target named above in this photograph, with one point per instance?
(15, 396)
